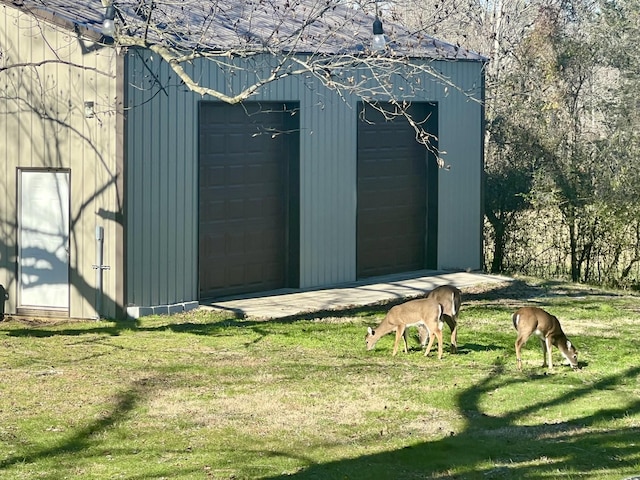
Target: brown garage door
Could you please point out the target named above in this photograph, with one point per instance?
(248, 199)
(397, 193)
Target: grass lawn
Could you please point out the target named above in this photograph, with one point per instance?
(208, 396)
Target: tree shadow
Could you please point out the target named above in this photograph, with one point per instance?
(31, 107)
(123, 405)
(81, 441)
(46, 329)
(182, 323)
(501, 446)
(467, 348)
(488, 446)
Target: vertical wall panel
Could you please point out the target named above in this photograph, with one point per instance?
(44, 125)
(10, 151)
(162, 186)
(328, 173)
(461, 136)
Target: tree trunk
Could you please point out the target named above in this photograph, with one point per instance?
(499, 245)
(573, 241)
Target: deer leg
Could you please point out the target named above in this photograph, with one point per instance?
(520, 341)
(543, 344)
(423, 334)
(547, 346)
(440, 342)
(431, 337)
(453, 325)
(404, 337)
(399, 333)
(451, 322)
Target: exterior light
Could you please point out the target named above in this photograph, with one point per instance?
(89, 110)
(379, 42)
(108, 24)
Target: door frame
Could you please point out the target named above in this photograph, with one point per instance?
(431, 109)
(291, 191)
(44, 309)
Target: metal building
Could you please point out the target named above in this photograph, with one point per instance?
(124, 193)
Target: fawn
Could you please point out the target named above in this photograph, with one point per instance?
(424, 312)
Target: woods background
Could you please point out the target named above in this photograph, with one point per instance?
(561, 151)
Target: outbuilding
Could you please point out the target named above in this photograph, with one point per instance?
(125, 191)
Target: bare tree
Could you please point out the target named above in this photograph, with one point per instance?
(263, 41)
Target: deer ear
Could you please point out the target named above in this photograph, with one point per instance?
(369, 331)
(568, 344)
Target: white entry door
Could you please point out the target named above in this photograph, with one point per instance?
(43, 240)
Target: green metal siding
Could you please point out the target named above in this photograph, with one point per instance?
(162, 174)
(461, 137)
(162, 190)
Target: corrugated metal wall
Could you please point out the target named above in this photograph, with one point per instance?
(162, 193)
(162, 174)
(328, 146)
(460, 215)
(43, 125)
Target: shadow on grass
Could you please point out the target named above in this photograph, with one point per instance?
(80, 440)
(489, 447)
(467, 348)
(492, 447)
(82, 443)
(181, 323)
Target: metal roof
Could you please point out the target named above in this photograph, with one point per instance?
(300, 26)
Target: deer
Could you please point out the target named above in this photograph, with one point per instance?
(424, 312)
(533, 320)
(450, 298)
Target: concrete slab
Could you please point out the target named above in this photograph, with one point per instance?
(290, 302)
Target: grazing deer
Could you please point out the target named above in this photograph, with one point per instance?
(450, 298)
(530, 320)
(424, 312)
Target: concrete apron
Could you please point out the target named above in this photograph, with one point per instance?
(291, 302)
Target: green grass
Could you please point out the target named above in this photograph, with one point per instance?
(202, 395)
